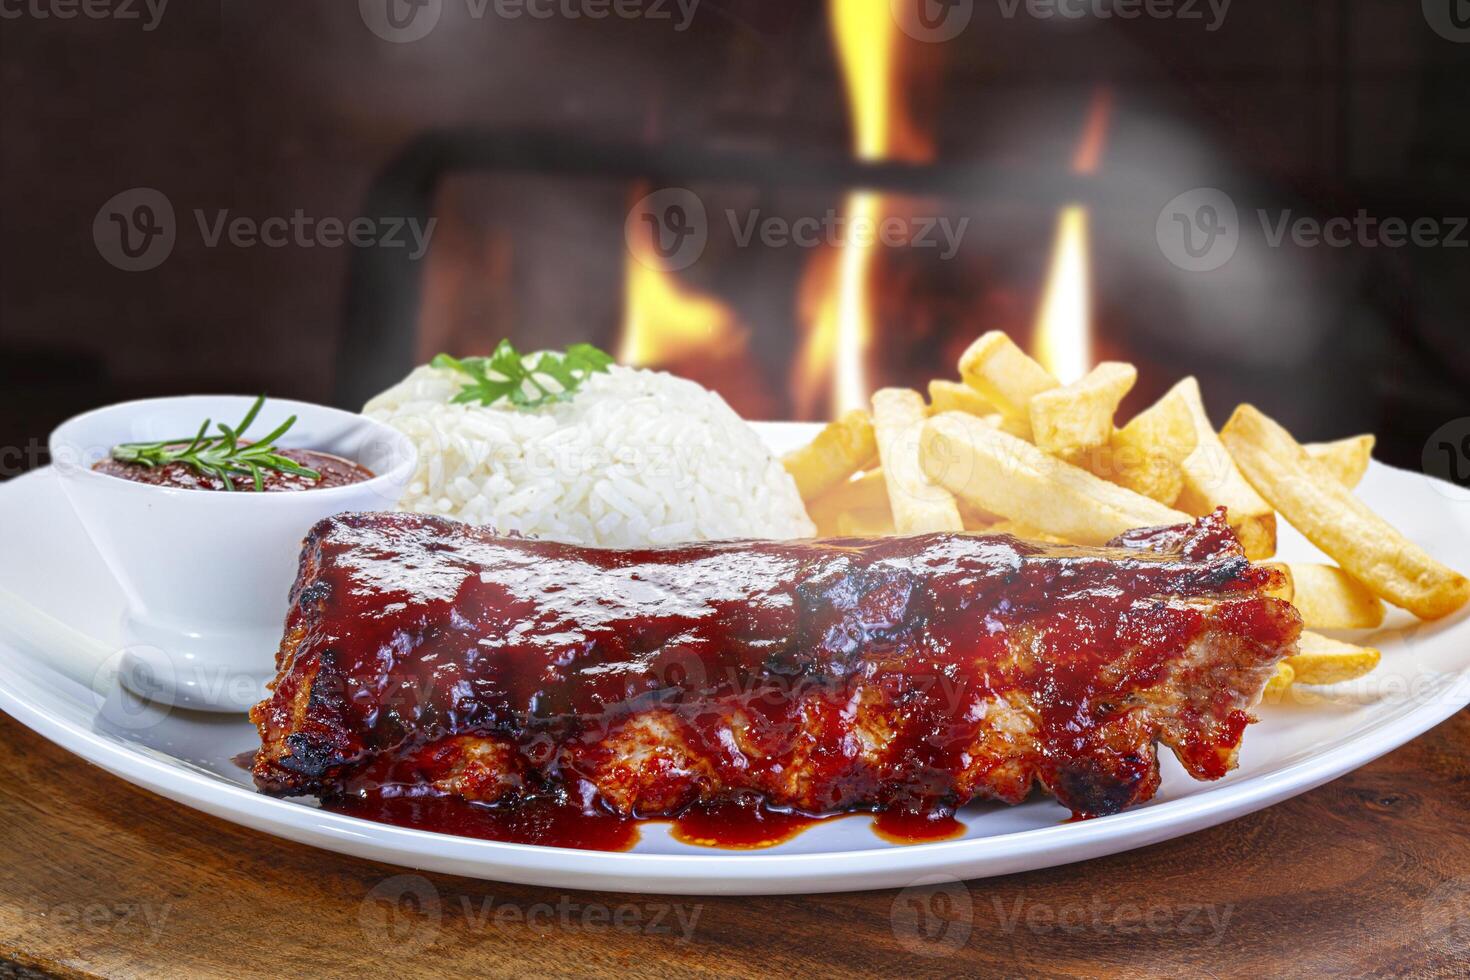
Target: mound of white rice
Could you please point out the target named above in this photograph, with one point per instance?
(635, 458)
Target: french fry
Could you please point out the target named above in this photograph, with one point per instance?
(865, 524)
(837, 452)
(1330, 599)
(1279, 681)
(955, 396)
(1346, 458)
(1147, 454)
(1212, 479)
(864, 495)
(1287, 591)
(1337, 522)
(1020, 530)
(1005, 376)
(1012, 478)
(918, 505)
(1323, 660)
(1079, 416)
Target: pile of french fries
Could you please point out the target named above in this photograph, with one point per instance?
(1008, 449)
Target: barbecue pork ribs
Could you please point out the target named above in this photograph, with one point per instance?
(423, 656)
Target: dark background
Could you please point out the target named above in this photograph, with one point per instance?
(266, 108)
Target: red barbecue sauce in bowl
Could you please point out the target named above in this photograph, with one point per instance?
(335, 472)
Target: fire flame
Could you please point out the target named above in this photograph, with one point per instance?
(665, 322)
(1062, 340)
(839, 328)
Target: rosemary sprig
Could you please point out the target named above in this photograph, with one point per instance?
(224, 456)
(518, 378)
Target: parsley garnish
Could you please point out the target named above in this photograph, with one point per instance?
(520, 378)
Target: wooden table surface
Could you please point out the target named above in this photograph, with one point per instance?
(1367, 875)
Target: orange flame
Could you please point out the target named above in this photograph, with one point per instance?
(839, 326)
(1062, 340)
(665, 322)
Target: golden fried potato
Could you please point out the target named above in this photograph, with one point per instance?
(865, 524)
(1337, 522)
(837, 452)
(1147, 454)
(955, 396)
(1005, 376)
(1012, 478)
(1279, 681)
(918, 505)
(865, 496)
(1330, 599)
(1018, 529)
(1346, 458)
(1211, 479)
(1079, 416)
(1323, 660)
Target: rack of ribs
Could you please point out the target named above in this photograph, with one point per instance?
(425, 657)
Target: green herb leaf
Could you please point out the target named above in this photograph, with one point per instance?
(223, 457)
(526, 381)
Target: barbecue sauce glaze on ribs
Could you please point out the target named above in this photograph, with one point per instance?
(424, 659)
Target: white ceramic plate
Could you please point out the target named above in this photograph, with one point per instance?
(48, 561)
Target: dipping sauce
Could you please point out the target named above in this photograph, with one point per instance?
(335, 471)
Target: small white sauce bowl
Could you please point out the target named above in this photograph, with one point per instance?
(207, 573)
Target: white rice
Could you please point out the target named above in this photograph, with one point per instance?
(635, 458)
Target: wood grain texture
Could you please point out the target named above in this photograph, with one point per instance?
(1367, 875)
